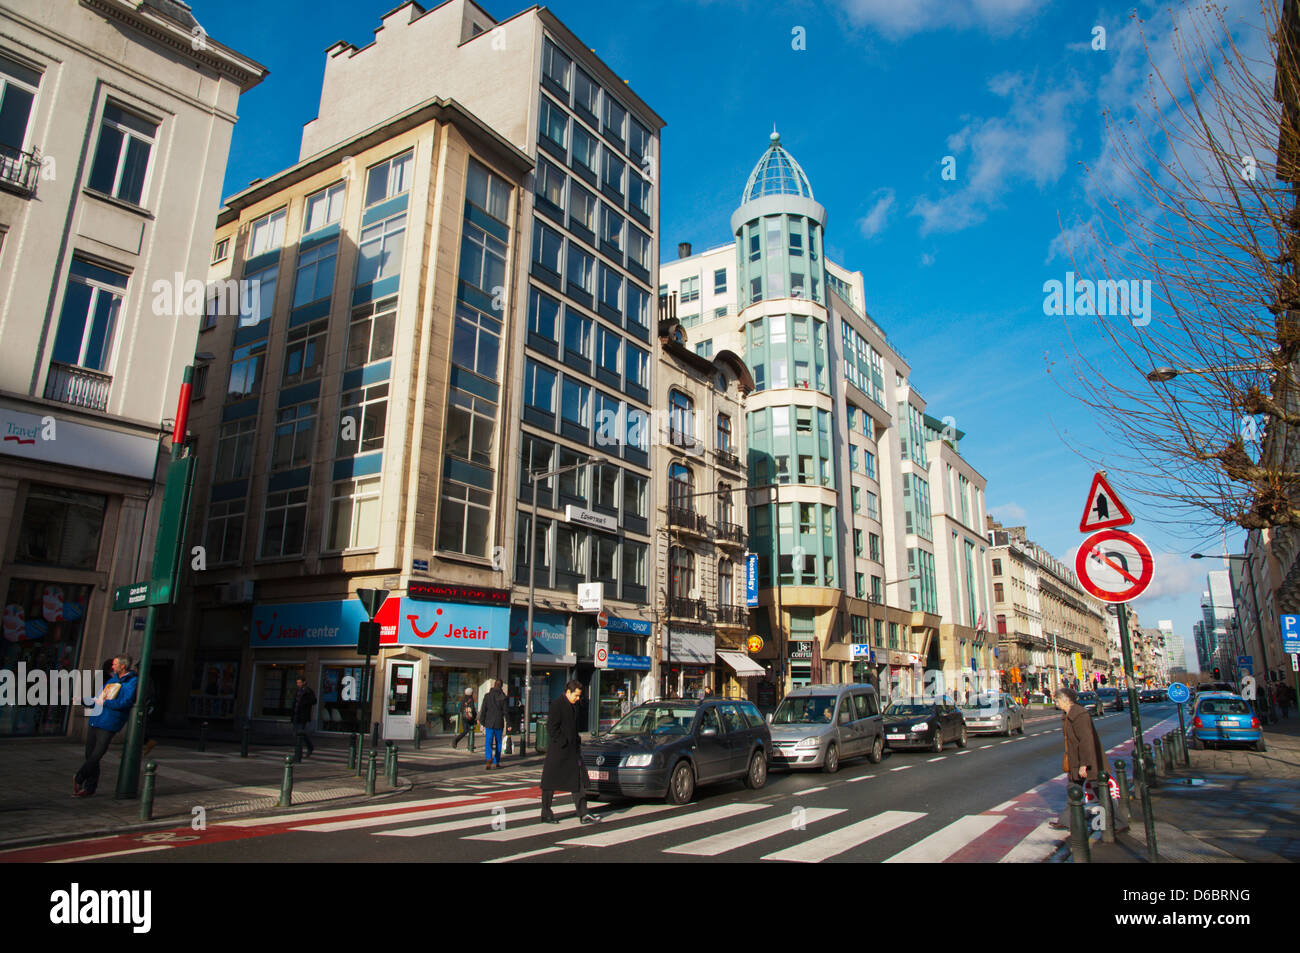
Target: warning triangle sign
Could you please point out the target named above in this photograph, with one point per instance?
(1104, 508)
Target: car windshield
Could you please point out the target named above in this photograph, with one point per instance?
(656, 720)
(982, 704)
(1087, 697)
(1224, 706)
(805, 710)
(906, 708)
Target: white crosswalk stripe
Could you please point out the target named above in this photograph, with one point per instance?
(624, 835)
(379, 821)
(945, 842)
(567, 823)
(752, 834)
(846, 838)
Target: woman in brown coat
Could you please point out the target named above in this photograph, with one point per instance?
(1084, 757)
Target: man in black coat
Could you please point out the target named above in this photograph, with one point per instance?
(303, 702)
(562, 770)
(493, 718)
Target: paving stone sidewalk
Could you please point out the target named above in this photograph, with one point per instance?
(1230, 806)
(37, 806)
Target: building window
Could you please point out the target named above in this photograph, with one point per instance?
(997, 567)
(608, 345)
(582, 270)
(638, 247)
(586, 151)
(267, 233)
(604, 558)
(860, 582)
(315, 280)
(553, 123)
(539, 387)
(246, 371)
(874, 542)
(611, 288)
(285, 524)
(489, 192)
(638, 305)
(612, 176)
(720, 281)
(550, 182)
(294, 428)
(354, 514)
(555, 65)
(690, 290)
(724, 432)
(235, 450)
(999, 594)
(634, 495)
(60, 527)
(88, 320)
(476, 342)
(258, 308)
(681, 486)
(121, 164)
(586, 94)
(577, 333)
(370, 336)
(380, 250)
(575, 403)
(857, 542)
(323, 208)
(681, 573)
(547, 247)
(363, 413)
(222, 251)
(304, 353)
(482, 259)
(638, 192)
(634, 563)
(542, 312)
(389, 179)
(18, 86)
(681, 419)
(615, 118)
(225, 532)
(611, 228)
(726, 582)
(471, 425)
(582, 208)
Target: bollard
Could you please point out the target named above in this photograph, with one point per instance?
(286, 786)
(361, 753)
(374, 735)
(510, 744)
(1158, 752)
(1150, 776)
(1125, 797)
(352, 752)
(1107, 809)
(370, 775)
(419, 730)
(203, 736)
(472, 729)
(297, 748)
(146, 799)
(244, 738)
(1078, 827)
(392, 769)
(388, 758)
(1168, 749)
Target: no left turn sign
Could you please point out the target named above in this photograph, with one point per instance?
(1115, 566)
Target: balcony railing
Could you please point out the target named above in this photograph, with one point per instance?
(725, 458)
(695, 609)
(686, 518)
(78, 386)
(733, 615)
(729, 534)
(20, 170)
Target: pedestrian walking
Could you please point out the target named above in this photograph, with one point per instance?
(1084, 758)
(493, 718)
(562, 770)
(468, 717)
(304, 700)
(114, 703)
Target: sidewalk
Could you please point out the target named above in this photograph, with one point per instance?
(37, 806)
(1230, 806)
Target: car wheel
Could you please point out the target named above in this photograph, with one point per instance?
(1260, 745)
(1021, 729)
(937, 745)
(681, 786)
(1007, 733)
(832, 762)
(756, 776)
(877, 751)
(961, 738)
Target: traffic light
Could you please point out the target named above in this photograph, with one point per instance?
(1216, 674)
(1103, 679)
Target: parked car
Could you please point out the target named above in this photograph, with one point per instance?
(993, 713)
(1112, 699)
(818, 726)
(1092, 702)
(1225, 718)
(1213, 687)
(668, 748)
(923, 723)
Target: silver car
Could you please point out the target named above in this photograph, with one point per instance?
(996, 714)
(817, 725)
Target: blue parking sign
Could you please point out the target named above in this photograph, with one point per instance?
(1290, 634)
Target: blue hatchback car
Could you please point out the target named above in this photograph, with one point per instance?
(1222, 717)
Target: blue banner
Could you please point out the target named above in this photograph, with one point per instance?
(306, 624)
(453, 624)
(636, 663)
(751, 580)
(621, 626)
(549, 632)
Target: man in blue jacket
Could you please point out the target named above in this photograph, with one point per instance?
(115, 703)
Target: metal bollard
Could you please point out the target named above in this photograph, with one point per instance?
(1149, 773)
(1107, 809)
(146, 799)
(392, 769)
(1125, 796)
(1168, 749)
(245, 735)
(370, 775)
(388, 758)
(203, 736)
(1078, 827)
(510, 744)
(361, 753)
(374, 735)
(352, 752)
(286, 786)
(419, 730)
(1158, 751)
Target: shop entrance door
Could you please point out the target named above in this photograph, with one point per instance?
(399, 714)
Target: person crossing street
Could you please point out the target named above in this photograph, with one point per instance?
(468, 719)
(493, 718)
(562, 770)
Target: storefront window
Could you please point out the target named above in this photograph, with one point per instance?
(341, 705)
(273, 690)
(43, 624)
(212, 693)
(60, 528)
(446, 690)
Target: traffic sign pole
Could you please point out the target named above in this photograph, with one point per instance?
(1141, 767)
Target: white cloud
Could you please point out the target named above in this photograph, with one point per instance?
(901, 18)
(1009, 514)
(926, 259)
(874, 222)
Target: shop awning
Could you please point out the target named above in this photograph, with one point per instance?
(743, 664)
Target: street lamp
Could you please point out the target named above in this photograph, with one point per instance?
(534, 478)
(1259, 620)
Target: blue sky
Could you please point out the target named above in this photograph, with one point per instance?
(883, 91)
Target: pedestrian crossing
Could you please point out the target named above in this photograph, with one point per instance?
(748, 830)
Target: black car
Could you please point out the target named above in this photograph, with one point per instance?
(1112, 699)
(924, 723)
(1093, 703)
(1149, 695)
(665, 749)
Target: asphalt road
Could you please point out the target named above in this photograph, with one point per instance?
(987, 802)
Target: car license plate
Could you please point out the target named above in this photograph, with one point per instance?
(593, 775)
(895, 737)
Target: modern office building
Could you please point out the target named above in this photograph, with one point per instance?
(115, 122)
(455, 296)
(846, 537)
(1218, 613)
